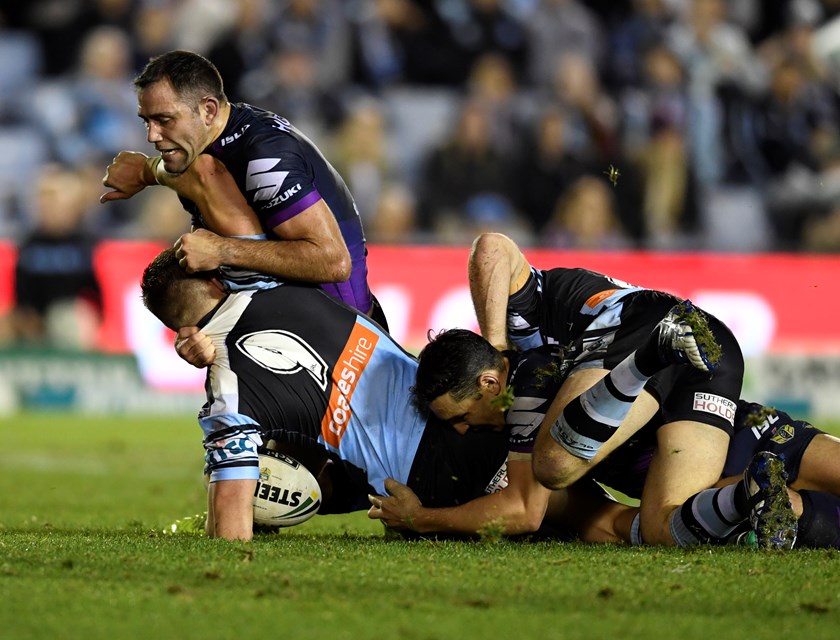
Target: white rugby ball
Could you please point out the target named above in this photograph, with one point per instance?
(286, 494)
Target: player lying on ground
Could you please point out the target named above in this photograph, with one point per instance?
(594, 324)
(295, 366)
(464, 379)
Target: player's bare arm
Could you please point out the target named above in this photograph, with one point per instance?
(230, 511)
(209, 184)
(497, 269)
(128, 174)
(311, 249)
(518, 508)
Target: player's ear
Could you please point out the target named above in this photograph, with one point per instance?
(210, 108)
(490, 381)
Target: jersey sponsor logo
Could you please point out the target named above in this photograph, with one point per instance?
(288, 193)
(284, 353)
(348, 371)
(768, 421)
(499, 481)
(233, 138)
(716, 405)
(261, 178)
(598, 298)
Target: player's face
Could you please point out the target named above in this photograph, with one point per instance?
(178, 130)
(472, 412)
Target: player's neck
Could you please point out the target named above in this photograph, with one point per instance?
(220, 122)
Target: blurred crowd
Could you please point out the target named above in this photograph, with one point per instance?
(600, 124)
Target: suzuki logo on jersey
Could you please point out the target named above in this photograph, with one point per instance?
(348, 370)
(288, 193)
(228, 139)
(260, 178)
(284, 353)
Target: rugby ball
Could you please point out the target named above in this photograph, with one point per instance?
(286, 494)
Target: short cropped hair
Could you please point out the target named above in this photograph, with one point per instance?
(451, 363)
(171, 293)
(191, 75)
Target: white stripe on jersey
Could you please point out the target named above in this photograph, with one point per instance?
(522, 419)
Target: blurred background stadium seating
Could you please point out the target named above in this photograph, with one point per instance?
(447, 118)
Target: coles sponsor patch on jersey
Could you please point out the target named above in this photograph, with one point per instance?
(716, 405)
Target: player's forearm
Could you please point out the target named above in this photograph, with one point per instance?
(491, 275)
(231, 506)
(301, 260)
(488, 513)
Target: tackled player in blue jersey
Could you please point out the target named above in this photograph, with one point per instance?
(295, 366)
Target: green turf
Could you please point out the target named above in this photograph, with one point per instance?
(83, 501)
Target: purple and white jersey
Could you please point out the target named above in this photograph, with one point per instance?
(282, 173)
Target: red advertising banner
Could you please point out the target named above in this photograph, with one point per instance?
(776, 303)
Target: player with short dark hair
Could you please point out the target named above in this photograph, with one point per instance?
(310, 228)
(514, 389)
(294, 365)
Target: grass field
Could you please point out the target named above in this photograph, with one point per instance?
(83, 502)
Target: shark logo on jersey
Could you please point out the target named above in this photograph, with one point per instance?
(260, 178)
(284, 353)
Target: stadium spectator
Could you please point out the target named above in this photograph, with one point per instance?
(643, 27)
(656, 141)
(394, 219)
(400, 42)
(244, 46)
(492, 83)
(89, 113)
(153, 32)
(585, 217)
(556, 27)
(591, 113)
(361, 155)
(320, 27)
(718, 58)
(477, 27)
(546, 167)
(57, 296)
(466, 168)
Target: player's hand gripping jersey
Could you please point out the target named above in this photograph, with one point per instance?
(281, 173)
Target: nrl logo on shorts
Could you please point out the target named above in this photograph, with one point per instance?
(783, 433)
